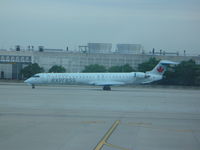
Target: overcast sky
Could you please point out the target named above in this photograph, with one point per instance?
(172, 25)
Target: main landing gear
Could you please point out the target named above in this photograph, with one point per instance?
(33, 86)
(106, 88)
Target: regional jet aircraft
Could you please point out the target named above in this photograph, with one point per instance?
(102, 79)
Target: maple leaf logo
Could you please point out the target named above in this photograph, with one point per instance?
(160, 69)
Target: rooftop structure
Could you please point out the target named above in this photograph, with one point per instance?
(99, 47)
(129, 48)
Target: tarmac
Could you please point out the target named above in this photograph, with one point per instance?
(87, 118)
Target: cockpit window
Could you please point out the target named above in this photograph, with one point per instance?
(36, 76)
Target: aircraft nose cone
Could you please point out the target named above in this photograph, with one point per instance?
(27, 81)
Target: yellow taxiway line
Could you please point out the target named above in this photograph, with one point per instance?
(115, 146)
(107, 135)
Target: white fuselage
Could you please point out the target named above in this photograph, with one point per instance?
(101, 79)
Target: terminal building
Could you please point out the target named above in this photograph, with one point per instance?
(11, 62)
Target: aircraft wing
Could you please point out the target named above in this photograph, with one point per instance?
(103, 83)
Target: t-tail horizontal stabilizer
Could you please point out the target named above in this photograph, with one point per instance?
(161, 67)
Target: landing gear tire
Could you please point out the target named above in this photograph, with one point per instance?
(33, 86)
(106, 88)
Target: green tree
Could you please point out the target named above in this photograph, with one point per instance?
(57, 69)
(95, 68)
(31, 69)
(148, 65)
(127, 68)
(124, 68)
(115, 69)
(197, 77)
(186, 73)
